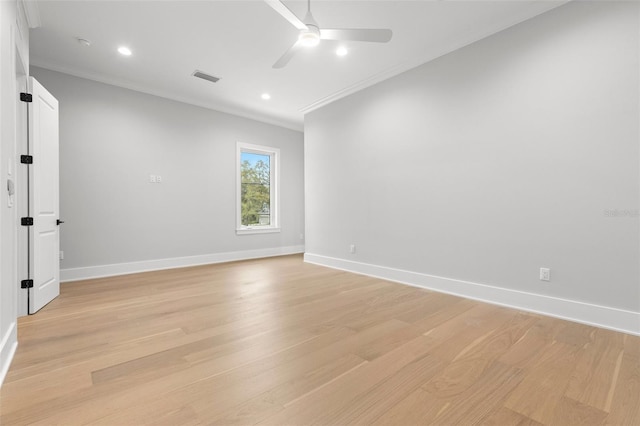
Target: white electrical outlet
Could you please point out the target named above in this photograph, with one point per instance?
(302, 236)
(152, 178)
(158, 179)
(352, 248)
(545, 274)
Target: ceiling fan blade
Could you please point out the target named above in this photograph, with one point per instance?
(374, 36)
(284, 59)
(284, 11)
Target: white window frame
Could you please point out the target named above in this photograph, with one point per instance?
(274, 186)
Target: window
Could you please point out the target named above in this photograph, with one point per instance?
(257, 190)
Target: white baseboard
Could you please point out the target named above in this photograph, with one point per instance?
(100, 271)
(8, 347)
(585, 313)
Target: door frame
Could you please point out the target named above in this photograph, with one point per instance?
(21, 173)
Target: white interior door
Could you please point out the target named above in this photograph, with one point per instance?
(44, 234)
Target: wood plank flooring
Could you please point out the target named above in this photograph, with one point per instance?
(280, 342)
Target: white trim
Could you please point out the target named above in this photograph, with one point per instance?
(22, 24)
(213, 106)
(467, 39)
(274, 187)
(32, 13)
(639, 124)
(89, 272)
(257, 230)
(586, 313)
(8, 347)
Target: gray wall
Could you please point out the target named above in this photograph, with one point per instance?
(112, 139)
(493, 161)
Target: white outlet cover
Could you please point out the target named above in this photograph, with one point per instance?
(545, 274)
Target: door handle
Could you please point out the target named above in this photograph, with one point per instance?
(58, 221)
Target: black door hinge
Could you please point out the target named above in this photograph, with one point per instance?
(26, 284)
(26, 159)
(26, 221)
(26, 97)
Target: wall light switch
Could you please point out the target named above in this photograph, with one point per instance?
(545, 274)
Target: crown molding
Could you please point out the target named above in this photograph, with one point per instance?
(167, 95)
(534, 10)
(32, 13)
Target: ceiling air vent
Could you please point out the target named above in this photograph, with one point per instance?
(205, 76)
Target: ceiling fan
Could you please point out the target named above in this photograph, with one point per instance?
(311, 34)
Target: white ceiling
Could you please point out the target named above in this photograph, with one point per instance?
(239, 41)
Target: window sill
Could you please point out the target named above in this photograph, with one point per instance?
(257, 230)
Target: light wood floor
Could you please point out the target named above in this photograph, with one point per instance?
(277, 341)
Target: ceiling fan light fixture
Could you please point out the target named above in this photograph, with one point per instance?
(310, 37)
(310, 33)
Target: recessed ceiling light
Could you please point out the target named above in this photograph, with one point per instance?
(266, 96)
(123, 50)
(342, 51)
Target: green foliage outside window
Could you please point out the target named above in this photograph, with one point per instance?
(255, 191)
